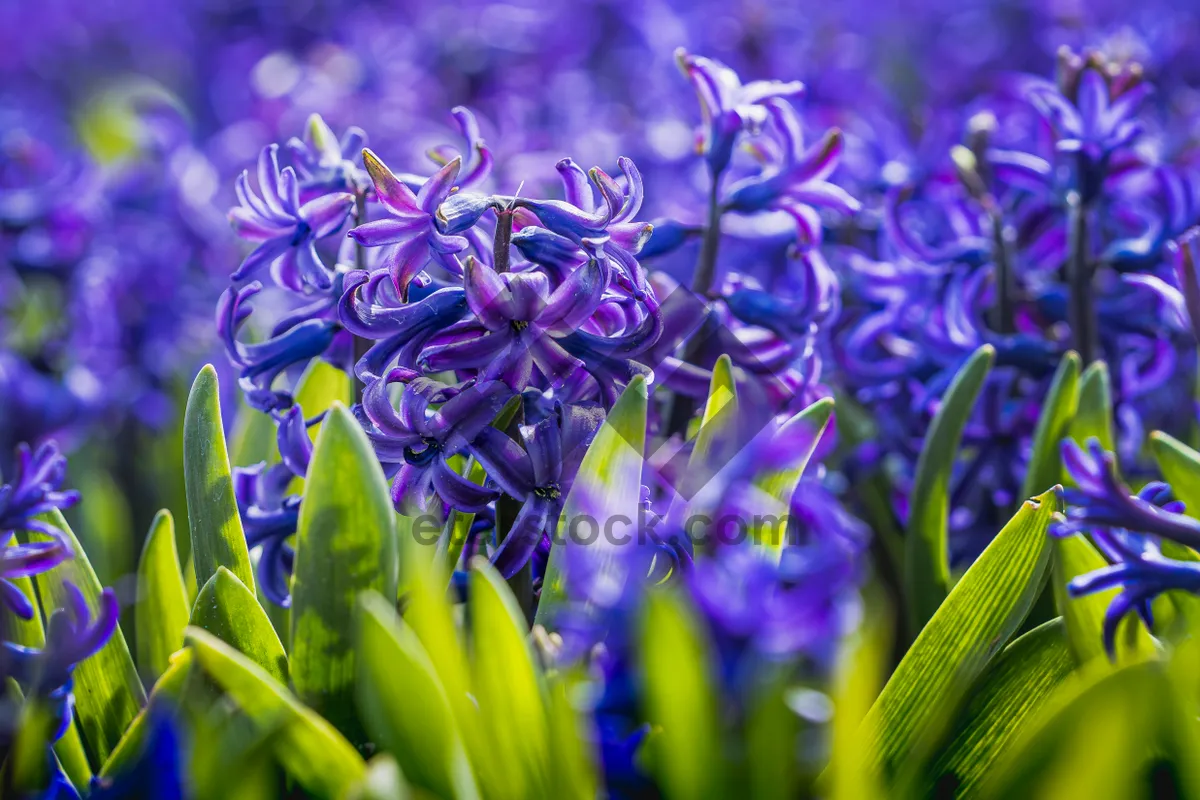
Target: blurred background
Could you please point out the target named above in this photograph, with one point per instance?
(123, 124)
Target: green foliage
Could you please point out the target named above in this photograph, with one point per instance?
(216, 528)
(977, 618)
(226, 609)
(927, 554)
(162, 605)
(345, 545)
(1054, 421)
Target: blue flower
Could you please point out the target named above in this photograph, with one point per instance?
(324, 164)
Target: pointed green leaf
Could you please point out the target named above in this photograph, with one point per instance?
(170, 686)
(404, 705)
(216, 528)
(572, 771)
(309, 748)
(161, 613)
(226, 609)
(108, 691)
(680, 700)
(507, 686)
(1094, 415)
(979, 615)
(927, 554)
(321, 385)
(1058, 410)
(858, 678)
(609, 478)
(780, 485)
(345, 545)
(253, 439)
(1084, 616)
(717, 425)
(1011, 692)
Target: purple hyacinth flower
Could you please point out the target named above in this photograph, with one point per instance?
(22, 561)
(72, 635)
(286, 229)
(727, 106)
(417, 441)
(411, 228)
(325, 164)
(539, 475)
(371, 307)
(596, 210)
(1184, 253)
(1101, 499)
(795, 177)
(518, 318)
(260, 363)
(35, 488)
(269, 517)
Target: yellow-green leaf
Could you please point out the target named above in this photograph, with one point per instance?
(226, 609)
(1058, 410)
(161, 613)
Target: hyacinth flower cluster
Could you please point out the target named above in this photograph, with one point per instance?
(448, 304)
(1044, 229)
(31, 546)
(1130, 530)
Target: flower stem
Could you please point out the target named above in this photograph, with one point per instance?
(682, 407)
(1082, 310)
(503, 240)
(1005, 315)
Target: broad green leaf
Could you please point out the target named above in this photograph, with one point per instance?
(26, 768)
(170, 686)
(609, 479)
(979, 615)
(321, 385)
(161, 613)
(226, 609)
(506, 686)
(216, 528)
(1096, 738)
(772, 733)
(310, 749)
(681, 700)
(1094, 414)
(30, 633)
(404, 705)
(572, 771)
(384, 781)
(108, 691)
(780, 485)
(345, 545)
(1058, 410)
(927, 554)
(1084, 616)
(1011, 692)
(1180, 467)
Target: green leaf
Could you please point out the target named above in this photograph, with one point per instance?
(1180, 467)
(321, 385)
(253, 439)
(717, 425)
(507, 687)
(216, 528)
(345, 545)
(979, 615)
(680, 698)
(927, 554)
(161, 613)
(609, 478)
(1058, 410)
(780, 485)
(1012, 692)
(310, 749)
(1098, 737)
(1084, 616)
(404, 705)
(1094, 414)
(105, 526)
(226, 609)
(108, 692)
(170, 686)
